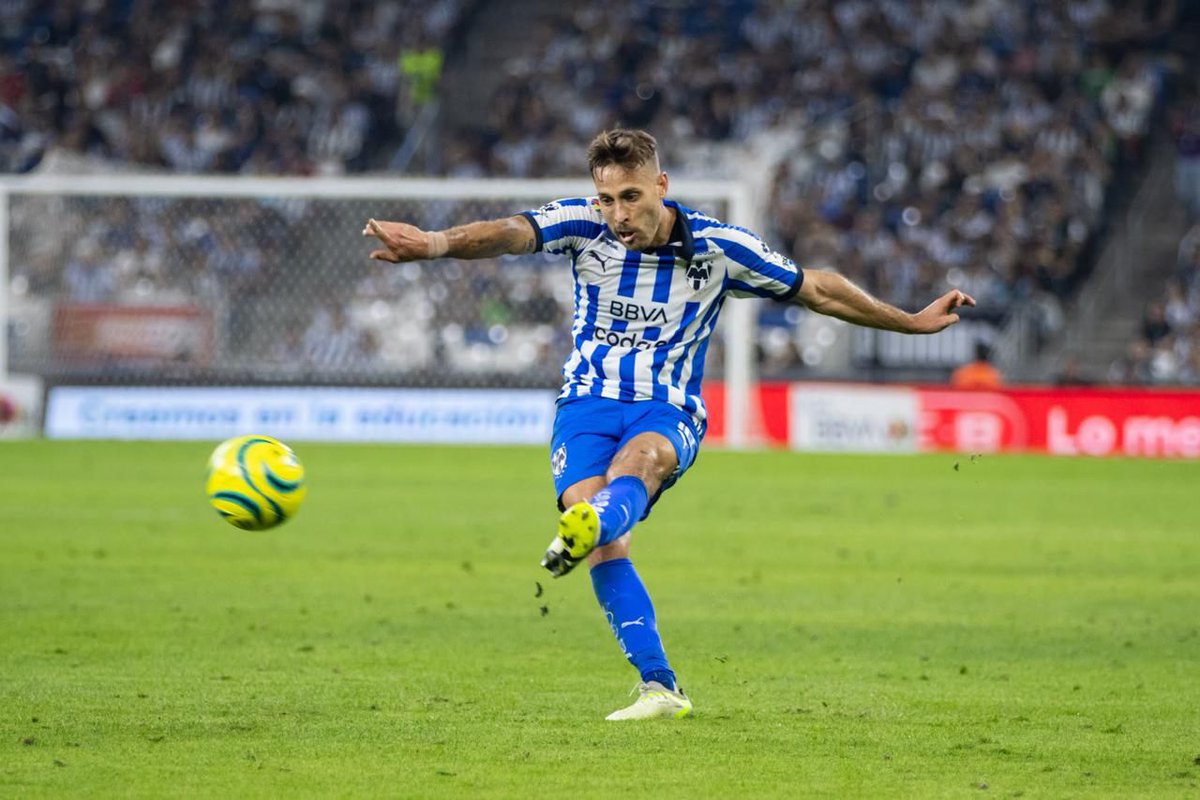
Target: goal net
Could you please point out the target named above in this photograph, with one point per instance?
(147, 280)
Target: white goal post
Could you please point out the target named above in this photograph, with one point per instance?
(45, 218)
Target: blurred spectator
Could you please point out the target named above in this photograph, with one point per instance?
(331, 341)
(1178, 313)
(420, 69)
(1072, 374)
(1168, 351)
(288, 349)
(1132, 368)
(1185, 126)
(978, 373)
(1154, 323)
(88, 278)
(1127, 100)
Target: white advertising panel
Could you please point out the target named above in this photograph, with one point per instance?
(861, 419)
(435, 416)
(20, 406)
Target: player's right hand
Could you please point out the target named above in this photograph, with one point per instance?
(401, 241)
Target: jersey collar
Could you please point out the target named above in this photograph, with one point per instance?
(681, 233)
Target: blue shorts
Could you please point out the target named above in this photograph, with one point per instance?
(588, 432)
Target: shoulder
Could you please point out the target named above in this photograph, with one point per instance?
(565, 224)
(704, 226)
(567, 208)
(740, 244)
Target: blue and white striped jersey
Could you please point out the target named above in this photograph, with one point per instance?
(643, 318)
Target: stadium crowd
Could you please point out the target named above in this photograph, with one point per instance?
(974, 149)
(279, 87)
(1168, 350)
(932, 142)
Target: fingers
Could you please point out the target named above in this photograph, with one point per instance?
(956, 298)
(373, 228)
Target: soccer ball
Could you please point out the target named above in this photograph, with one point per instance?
(255, 482)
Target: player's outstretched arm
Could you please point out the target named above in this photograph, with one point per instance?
(831, 294)
(404, 242)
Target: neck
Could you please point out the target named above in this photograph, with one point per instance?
(666, 223)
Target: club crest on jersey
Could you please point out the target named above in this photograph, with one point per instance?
(698, 273)
(558, 461)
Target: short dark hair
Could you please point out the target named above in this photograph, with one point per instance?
(623, 147)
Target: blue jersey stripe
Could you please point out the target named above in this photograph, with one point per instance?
(694, 382)
(628, 372)
(581, 228)
(587, 331)
(703, 330)
(662, 278)
(658, 389)
(748, 258)
(629, 273)
(690, 310)
(597, 364)
(742, 286)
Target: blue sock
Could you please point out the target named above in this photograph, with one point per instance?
(627, 605)
(620, 505)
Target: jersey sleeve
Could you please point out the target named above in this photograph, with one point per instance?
(754, 269)
(565, 226)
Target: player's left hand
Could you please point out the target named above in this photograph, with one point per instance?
(939, 314)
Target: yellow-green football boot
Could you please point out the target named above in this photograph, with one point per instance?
(578, 533)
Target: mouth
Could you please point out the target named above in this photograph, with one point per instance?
(627, 237)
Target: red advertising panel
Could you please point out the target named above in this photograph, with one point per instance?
(91, 332)
(769, 423)
(1153, 423)
(1092, 422)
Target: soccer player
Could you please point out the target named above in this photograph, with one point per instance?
(650, 278)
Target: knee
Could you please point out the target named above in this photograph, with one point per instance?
(618, 548)
(653, 464)
(583, 490)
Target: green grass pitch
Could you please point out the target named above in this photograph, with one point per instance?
(848, 626)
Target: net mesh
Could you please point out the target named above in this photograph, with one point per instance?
(274, 289)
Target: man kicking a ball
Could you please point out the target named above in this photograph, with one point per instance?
(650, 278)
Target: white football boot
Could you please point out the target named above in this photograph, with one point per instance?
(654, 701)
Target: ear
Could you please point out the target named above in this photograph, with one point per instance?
(662, 184)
